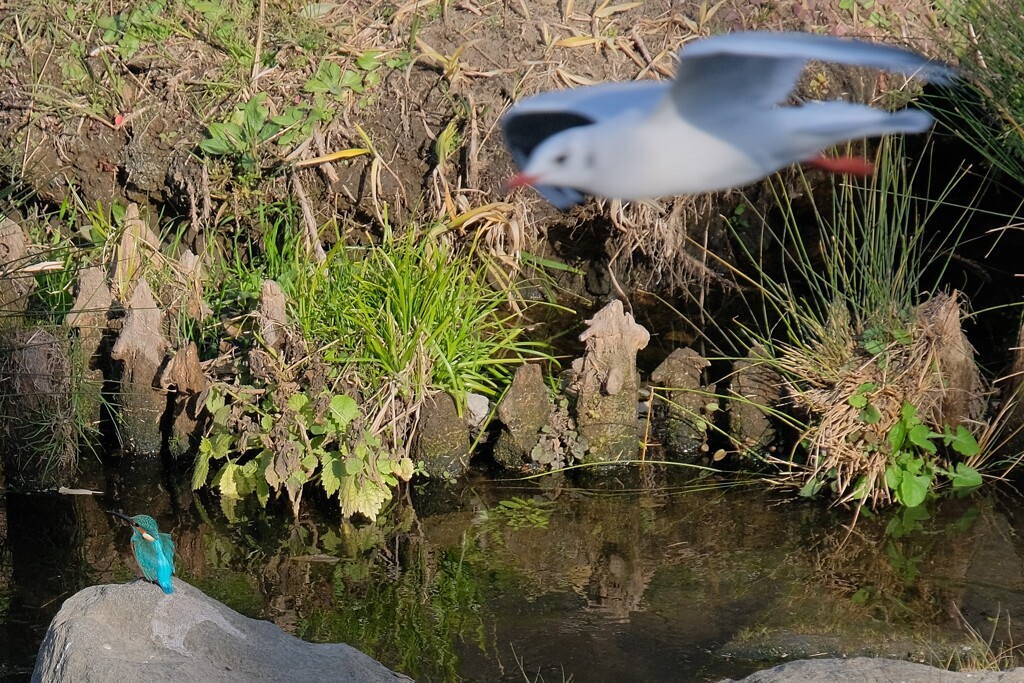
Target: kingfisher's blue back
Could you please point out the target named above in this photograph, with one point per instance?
(154, 551)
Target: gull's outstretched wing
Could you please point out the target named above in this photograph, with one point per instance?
(735, 73)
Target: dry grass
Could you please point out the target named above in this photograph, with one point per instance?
(421, 144)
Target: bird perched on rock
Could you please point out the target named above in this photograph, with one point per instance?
(154, 551)
(719, 124)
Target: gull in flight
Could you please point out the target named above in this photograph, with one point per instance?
(721, 123)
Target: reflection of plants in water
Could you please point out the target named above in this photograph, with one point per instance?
(881, 570)
(522, 513)
(439, 600)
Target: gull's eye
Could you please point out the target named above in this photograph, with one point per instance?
(561, 158)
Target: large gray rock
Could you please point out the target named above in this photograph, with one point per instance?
(867, 670)
(133, 632)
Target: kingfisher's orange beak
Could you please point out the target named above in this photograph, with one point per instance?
(519, 180)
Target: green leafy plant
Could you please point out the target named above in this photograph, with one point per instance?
(289, 446)
(250, 126)
(129, 30)
(845, 324)
(914, 446)
(331, 80)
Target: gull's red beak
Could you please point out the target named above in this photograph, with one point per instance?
(519, 180)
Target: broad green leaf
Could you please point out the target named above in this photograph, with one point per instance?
(858, 400)
(290, 117)
(298, 401)
(870, 415)
(860, 489)
(219, 445)
(966, 477)
(352, 80)
(262, 491)
(893, 477)
(225, 138)
(331, 474)
(353, 466)
(913, 490)
(369, 60)
(362, 496)
(898, 435)
(921, 436)
(229, 480)
(341, 412)
(811, 488)
(406, 469)
(255, 115)
(214, 400)
(908, 413)
(964, 443)
(296, 479)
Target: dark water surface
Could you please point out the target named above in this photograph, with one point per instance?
(495, 581)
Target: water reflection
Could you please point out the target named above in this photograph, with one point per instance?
(492, 580)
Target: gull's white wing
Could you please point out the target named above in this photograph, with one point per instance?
(738, 72)
(532, 121)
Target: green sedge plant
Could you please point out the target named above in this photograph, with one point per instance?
(838, 320)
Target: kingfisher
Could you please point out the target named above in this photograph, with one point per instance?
(153, 550)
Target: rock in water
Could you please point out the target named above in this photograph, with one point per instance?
(134, 632)
(867, 670)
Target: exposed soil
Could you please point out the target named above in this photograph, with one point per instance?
(107, 116)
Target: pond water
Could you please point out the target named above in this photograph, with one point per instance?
(641, 579)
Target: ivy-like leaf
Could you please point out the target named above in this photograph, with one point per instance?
(893, 477)
(298, 401)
